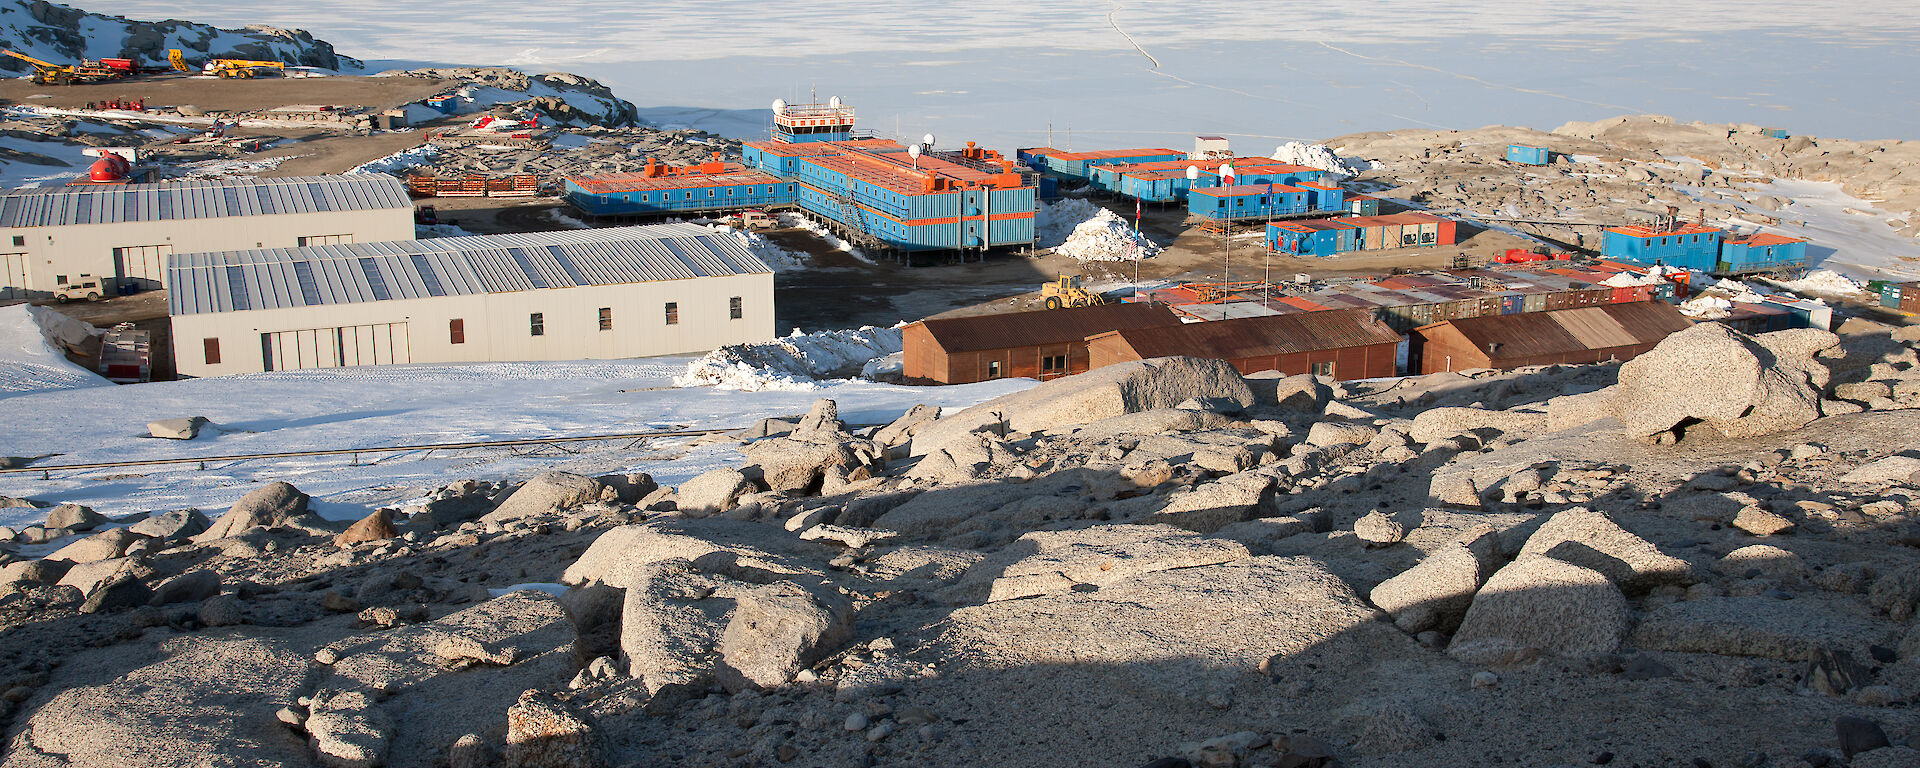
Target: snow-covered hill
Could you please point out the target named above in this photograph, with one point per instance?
(64, 34)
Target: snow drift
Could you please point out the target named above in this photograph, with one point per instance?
(1055, 221)
(795, 362)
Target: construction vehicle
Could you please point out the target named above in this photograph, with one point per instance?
(49, 73)
(1067, 292)
(241, 68)
(178, 60)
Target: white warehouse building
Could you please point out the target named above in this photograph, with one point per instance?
(579, 294)
(114, 233)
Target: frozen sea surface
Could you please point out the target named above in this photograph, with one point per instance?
(1115, 74)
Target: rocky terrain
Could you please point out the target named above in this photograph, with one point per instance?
(605, 150)
(1629, 169)
(1704, 556)
(65, 34)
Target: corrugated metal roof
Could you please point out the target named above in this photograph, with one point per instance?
(277, 278)
(1533, 334)
(1245, 337)
(1048, 326)
(199, 199)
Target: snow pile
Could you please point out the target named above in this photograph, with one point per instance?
(1630, 280)
(431, 231)
(779, 257)
(29, 361)
(794, 362)
(884, 367)
(1823, 281)
(416, 157)
(1055, 221)
(1707, 306)
(1106, 237)
(797, 220)
(220, 169)
(1316, 156)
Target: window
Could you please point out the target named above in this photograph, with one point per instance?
(19, 241)
(309, 240)
(993, 370)
(606, 318)
(456, 331)
(61, 279)
(1323, 369)
(643, 197)
(673, 313)
(212, 349)
(733, 308)
(1053, 364)
(537, 324)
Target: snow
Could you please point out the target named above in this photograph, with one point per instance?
(1824, 282)
(1630, 280)
(415, 157)
(1055, 221)
(781, 258)
(29, 362)
(235, 167)
(794, 363)
(20, 173)
(389, 405)
(1707, 306)
(1844, 234)
(1318, 156)
(1107, 237)
(820, 231)
(431, 231)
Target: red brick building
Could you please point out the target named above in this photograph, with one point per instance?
(1037, 345)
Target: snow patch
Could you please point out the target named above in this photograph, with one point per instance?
(1823, 282)
(796, 362)
(1107, 237)
(777, 256)
(1319, 156)
(1707, 306)
(416, 157)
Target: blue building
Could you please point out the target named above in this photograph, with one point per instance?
(1761, 253)
(1691, 246)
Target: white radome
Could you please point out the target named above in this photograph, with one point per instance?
(779, 106)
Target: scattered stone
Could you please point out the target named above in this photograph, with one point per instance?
(105, 545)
(74, 517)
(1591, 539)
(1890, 470)
(1858, 734)
(271, 505)
(192, 586)
(712, 493)
(177, 429)
(222, 611)
(544, 731)
(176, 525)
(348, 730)
(1760, 522)
(1436, 593)
(1378, 530)
(470, 751)
(1541, 605)
(1762, 560)
(374, 527)
(546, 492)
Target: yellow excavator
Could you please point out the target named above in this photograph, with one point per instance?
(49, 73)
(178, 60)
(1067, 292)
(241, 68)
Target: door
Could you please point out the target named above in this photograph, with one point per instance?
(378, 344)
(144, 265)
(13, 275)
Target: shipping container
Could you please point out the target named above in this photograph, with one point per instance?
(1525, 155)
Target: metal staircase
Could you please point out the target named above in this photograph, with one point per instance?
(855, 224)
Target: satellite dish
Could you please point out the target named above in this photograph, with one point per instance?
(834, 102)
(1193, 173)
(927, 139)
(914, 151)
(779, 106)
